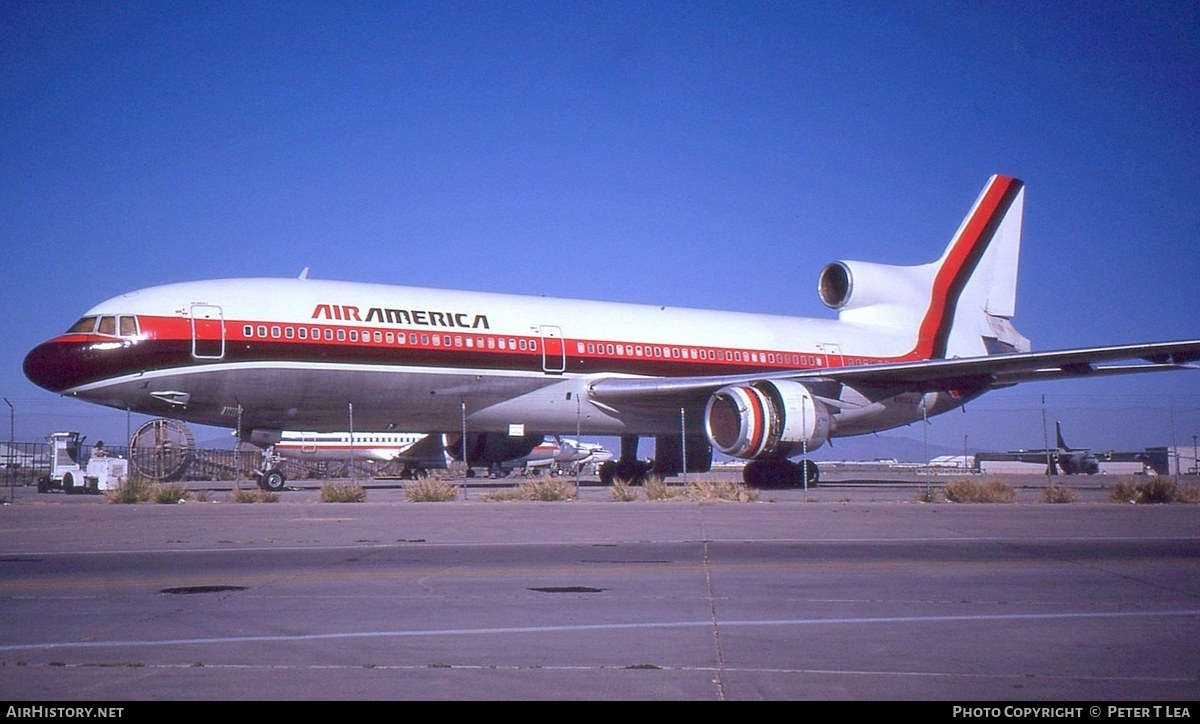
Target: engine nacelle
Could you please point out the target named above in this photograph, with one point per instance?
(485, 448)
(264, 438)
(770, 418)
(858, 284)
(872, 293)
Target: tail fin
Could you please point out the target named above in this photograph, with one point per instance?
(1058, 433)
(974, 289)
(958, 306)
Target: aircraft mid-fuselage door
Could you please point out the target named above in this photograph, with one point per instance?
(208, 332)
(833, 355)
(554, 356)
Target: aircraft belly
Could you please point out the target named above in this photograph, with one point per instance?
(884, 412)
(323, 399)
(316, 399)
(564, 407)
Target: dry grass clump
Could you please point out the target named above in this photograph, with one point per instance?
(1055, 493)
(430, 490)
(133, 490)
(623, 492)
(1156, 490)
(970, 491)
(732, 492)
(342, 493)
(699, 492)
(544, 489)
(137, 490)
(254, 495)
(656, 488)
(169, 493)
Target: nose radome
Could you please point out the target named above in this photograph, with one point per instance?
(49, 366)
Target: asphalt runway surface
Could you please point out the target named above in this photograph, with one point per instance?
(854, 593)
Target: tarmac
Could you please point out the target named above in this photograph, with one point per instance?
(857, 590)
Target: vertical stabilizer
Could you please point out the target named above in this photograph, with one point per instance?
(973, 296)
(1058, 433)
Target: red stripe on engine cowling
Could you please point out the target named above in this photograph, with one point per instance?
(757, 419)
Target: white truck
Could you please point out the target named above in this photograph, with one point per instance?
(67, 474)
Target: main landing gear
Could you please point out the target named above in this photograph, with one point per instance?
(780, 473)
(626, 468)
(766, 473)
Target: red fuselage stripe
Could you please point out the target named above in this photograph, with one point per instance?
(167, 342)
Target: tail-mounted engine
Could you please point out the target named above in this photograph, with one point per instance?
(876, 293)
(771, 418)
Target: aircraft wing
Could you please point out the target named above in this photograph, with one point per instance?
(976, 373)
(427, 452)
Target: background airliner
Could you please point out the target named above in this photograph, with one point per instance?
(265, 355)
(420, 452)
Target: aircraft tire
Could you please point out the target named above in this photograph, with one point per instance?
(632, 472)
(780, 473)
(810, 470)
(273, 480)
(606, 472)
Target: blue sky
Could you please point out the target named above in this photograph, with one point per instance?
(711, 155)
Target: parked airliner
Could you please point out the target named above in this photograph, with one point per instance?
(376, 446)
(559, 455)
(420, 452)
(266, 355)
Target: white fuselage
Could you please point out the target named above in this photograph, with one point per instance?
(311, 354)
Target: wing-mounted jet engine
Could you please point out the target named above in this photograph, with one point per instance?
(768, 422)
(491, 449)
(772, 418)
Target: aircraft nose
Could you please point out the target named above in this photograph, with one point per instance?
(57, 365)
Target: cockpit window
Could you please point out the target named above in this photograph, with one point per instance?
(83, 326)
(125, 325)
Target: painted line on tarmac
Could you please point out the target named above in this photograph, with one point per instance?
(267, 548)
(508, 630)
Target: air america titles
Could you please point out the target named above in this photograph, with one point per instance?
(382, 315)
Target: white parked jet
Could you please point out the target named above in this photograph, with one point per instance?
(418, 452)
(265, 355)
(558, 454)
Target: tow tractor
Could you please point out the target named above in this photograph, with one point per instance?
(67, 474)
